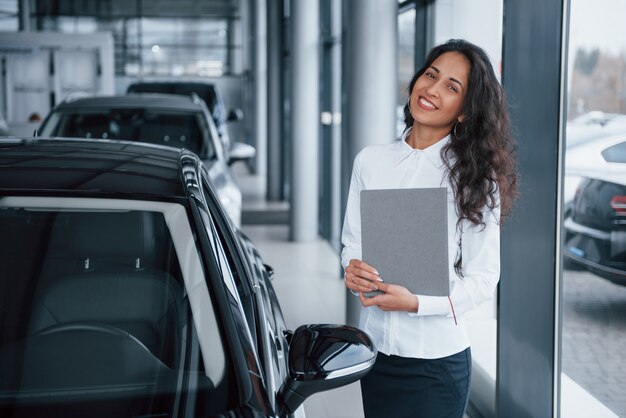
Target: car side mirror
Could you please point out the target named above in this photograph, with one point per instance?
(240, 152)
(234, 115)
(324, 357)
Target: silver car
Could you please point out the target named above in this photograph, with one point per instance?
(172, 120)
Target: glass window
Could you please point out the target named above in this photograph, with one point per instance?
(9, 16)
(593, 370)
(158, 46)
(95, 315)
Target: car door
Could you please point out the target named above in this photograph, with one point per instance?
(266, 320)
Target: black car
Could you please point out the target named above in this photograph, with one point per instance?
(595, 219)
(208, 92)
(127, 291)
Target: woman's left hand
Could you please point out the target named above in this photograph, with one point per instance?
(395, 298)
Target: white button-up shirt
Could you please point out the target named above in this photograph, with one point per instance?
(431, 332)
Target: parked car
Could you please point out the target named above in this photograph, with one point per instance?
(177, 121)
(595, 219)
(594, 125)
(208, 92)
(128, 292)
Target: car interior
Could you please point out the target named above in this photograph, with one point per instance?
(93, 308)
(156, 127)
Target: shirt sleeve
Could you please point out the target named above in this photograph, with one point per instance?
(351, 232)
(480, 249)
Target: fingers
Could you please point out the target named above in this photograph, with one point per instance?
(367, 302)
(358, 284)
(362, 270)
(397, 299)
(384, 287)
(366, 270)
(361, 277)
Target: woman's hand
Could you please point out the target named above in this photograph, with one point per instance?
(395, 298)
(361, 277)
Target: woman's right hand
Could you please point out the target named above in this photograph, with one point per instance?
(361, 277)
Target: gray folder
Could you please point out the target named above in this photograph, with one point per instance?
(404, 234)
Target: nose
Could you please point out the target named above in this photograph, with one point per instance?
(433, 88)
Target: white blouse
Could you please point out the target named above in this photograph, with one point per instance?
(431, 332)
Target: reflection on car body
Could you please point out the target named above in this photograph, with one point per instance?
(171, 120)
(595, 219)
(128, 292)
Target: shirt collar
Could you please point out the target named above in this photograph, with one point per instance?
(433, 152)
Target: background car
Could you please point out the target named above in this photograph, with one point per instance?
(208, 92)
(594, 125)
(126, 291)
(595, 219)
(172, 120)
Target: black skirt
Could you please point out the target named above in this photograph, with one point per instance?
(400, 387)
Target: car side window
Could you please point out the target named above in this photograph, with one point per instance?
(233, 275)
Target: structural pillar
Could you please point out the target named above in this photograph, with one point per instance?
(24, 15)
(259, 84)
(371, 74)
(424, 30)
(304, 119)
(528, 372)
(275, 99)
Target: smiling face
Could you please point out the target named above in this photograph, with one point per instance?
(437, 97)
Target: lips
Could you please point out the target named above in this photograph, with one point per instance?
(425, 104)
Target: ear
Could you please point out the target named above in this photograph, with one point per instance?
(461, 118)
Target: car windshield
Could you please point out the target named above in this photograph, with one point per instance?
(174, 129)
(97, 313)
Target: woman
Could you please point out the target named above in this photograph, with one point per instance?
(456, 136)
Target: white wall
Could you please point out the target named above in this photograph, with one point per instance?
(477, 21)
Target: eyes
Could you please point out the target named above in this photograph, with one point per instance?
(431, 75)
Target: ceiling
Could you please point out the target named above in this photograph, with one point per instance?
(135, 8)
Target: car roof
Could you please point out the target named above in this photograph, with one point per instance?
(89, 167)
(195, 84)
(135, 100)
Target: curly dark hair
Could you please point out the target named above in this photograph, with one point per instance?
(482, 148)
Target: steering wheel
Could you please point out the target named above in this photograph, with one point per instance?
(90, 327)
